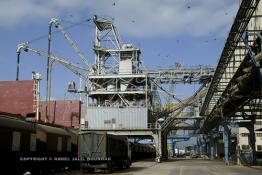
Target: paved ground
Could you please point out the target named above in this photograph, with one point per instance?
(183, 167)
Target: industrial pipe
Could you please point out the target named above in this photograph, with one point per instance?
(48, 72)
(258, 57)
(17, 64)
(18, 52)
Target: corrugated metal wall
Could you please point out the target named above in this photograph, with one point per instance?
(16, 97)
(116, 118)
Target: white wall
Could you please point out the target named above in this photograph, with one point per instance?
(244, 140)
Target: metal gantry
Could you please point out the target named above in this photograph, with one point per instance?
(183, 75)
(233, 100)
(231, 60)
(122, 96)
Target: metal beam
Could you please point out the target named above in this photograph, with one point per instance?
(239, 26)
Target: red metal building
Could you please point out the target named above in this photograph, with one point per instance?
(62, 112)
(17, 97)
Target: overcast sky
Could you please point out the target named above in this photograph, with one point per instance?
(190, 31)
(142, 18)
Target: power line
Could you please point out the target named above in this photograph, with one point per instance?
(57, 31)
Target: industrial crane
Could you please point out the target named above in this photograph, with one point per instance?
(55, 22)
(75, 68)
(117, 79)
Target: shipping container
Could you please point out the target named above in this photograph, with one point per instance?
(116, 118)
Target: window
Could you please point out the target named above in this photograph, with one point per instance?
(107, 121)
(68, 143)
(16, 141)
(59, 144)
(259, 134)
(245, 147)
(33, 142)
(244, 134)
(259, 147)
(86, 124)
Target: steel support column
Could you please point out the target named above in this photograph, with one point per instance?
(158, 144)
(238, 150)
(173, 148)
(205, 147)
(215, 148)
(164, 146)
(252, 139)
(227, 144)
(212, 148)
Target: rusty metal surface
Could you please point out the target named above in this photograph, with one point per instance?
(16, 97)
(62, 112)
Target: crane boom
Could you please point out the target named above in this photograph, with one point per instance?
(76, 69)
(106, 31)
(77, 50)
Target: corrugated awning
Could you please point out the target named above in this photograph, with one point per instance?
(259, 129)
(16, 123)
(53, 130)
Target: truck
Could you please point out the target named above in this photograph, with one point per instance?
(100, 150)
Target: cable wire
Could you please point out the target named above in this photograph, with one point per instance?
(57, 31)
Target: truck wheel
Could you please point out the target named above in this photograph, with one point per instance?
(84, 170)
(110, 167)
(158, 160)
(120, 165)
(90, 170)
(127, 165)
(109, 170)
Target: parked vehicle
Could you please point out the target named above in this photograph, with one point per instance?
(99, 150)
(35, 148)
(142, 151)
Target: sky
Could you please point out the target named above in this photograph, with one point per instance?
(192, 32)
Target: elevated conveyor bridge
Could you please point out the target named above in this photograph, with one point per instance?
(234, 94)
(235, 87)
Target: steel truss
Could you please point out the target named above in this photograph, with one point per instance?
(109, 86)
(229, 86)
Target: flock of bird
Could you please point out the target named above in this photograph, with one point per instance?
(133, 21)
(177, 41)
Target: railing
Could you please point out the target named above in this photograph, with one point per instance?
(149, 127)
(153, 125)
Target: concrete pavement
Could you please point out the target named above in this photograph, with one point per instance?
(183, 167)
